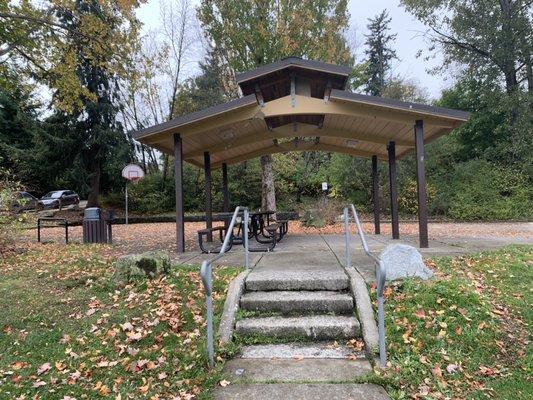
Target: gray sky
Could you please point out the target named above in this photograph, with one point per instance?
(409, 40)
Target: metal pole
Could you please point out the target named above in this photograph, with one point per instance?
(347, 237)
(178, 178)
(421, 185)
(393, 191)
(245, 234)
(126, 202)
(66, 231)
(225, 192)
(39, 230)
(375, 194)
(208, 202)
(381, 331)
(207, 279)
(210, 344)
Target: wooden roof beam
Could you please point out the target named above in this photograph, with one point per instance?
(304, 130)
(310, 105)
(297, 146)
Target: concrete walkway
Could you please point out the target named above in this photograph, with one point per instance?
(299, 295)
(315, 247)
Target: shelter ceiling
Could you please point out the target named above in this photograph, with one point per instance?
(351, 124)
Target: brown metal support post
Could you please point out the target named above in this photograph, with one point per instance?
(225, 190)
(375, 194)
(208, 202)
(393, 191)
(225, 193)
(421, 185)
(178, 177)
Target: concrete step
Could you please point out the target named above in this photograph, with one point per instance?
(330, 350)
(317, 327)
(298, 301)
(268, 280)
(301, 391)
(240, 370)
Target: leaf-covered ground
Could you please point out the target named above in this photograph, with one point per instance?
(67, 332)
(150, 236)
(465, 334)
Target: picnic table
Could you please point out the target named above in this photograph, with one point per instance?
(261, 227)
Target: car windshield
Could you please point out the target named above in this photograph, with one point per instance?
(53, 195)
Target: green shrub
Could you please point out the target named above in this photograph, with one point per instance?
(483, 191)
(152, 194)
(408, 197)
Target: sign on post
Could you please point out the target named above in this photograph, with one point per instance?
(132, 173)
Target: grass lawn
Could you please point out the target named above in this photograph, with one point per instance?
(67, 332)
(466, 334)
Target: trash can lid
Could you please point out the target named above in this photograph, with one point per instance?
(92, 213)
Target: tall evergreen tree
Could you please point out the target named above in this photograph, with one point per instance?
(94, 120)
(379, 53)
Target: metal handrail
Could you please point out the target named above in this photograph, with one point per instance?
(207, 275)
(380, 276)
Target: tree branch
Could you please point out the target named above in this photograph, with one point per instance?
(50, 24)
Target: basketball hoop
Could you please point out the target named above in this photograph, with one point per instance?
(132, 173)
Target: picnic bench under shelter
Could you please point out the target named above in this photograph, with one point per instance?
(302, 105)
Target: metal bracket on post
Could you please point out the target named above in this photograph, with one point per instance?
(259, 96)
(293, 90)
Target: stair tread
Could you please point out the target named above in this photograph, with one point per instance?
(289, 295)
(295, 370)
(314, 326)
(301, 391)
(290, 301)
(297, 280)
(323, 350)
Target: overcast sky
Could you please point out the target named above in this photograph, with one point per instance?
(408, 42)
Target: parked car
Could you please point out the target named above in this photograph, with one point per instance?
(23, 201)
(60, 198)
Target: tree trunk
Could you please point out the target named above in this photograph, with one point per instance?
(94, 195)
(268, 198)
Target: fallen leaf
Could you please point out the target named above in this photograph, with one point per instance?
(224, 383)
(44, 368)
(18, 365)
(451, 368)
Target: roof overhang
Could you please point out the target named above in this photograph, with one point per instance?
(352, 123)
(294, 62)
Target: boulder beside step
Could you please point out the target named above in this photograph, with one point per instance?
(316, 327)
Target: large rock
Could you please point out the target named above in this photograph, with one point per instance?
(402, 261)
(150, 264)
